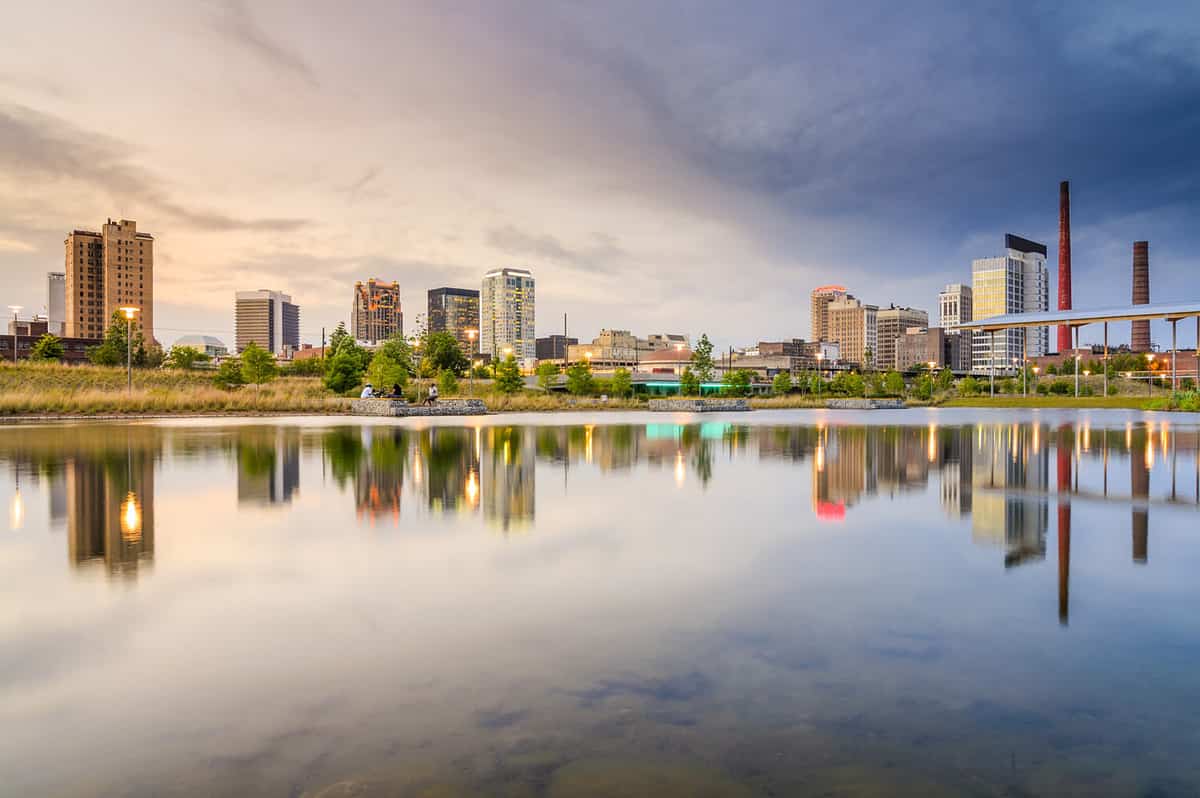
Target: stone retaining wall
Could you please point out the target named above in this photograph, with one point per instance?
(396, 407)
(865, 404)
(699, 405)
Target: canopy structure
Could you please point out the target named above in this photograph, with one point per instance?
(1173, 312)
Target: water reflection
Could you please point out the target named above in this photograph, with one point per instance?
(524, 603)
(998, 476)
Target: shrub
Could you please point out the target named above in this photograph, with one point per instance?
(782, 384)
(229, 374)
(447, 383)
(547, 375)
(622, 383)
(579, 379)
(968, 386)
(508, 376)
(48, 347)
(1061, 388)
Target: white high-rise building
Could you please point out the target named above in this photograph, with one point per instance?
(506, 315)
(954, 306)
(56, 302)
(1015, 282)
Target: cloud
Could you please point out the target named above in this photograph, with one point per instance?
(12, 245)
(37, 148)
(237, 23)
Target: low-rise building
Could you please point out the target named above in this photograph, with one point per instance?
(920, 346)
(207, 344)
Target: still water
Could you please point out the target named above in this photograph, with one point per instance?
(779, 603)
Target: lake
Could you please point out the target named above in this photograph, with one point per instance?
(943, 602)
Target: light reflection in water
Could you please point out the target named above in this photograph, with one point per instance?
(971, 498)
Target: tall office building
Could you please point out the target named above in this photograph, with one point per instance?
(106, 271)
(821, 298)
(1015, 282)
(268, 318)
(854, 326)
(376, 314)
(456, 311)
(56, 302)
(955, 306)
(506, 314)
(891, 323)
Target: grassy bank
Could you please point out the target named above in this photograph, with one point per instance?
(1067, 402)
(53, 389)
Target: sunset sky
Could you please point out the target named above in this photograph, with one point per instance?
(659, 166)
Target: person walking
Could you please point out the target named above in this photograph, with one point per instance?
(433, 395)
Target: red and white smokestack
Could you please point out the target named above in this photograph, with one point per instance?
(1140, 341)
(1064, 261)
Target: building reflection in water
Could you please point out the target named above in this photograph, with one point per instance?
(98, 485)
(268, 461)
(100, 482)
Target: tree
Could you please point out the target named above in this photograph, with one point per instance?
(782, 384)
(48, 347)
(344, 372)
(579, 379)
(258, 365)
(440, 352)
(229, 374)
(702, 359)
(689, 382)
(184, 357)
(112, 351)
(447, 383)
(339, 338)
(391, 364)
(924, 387)
(945, 380)
(968, 386)
(893, 383)
(622, 383)
(736, 383)
(868, 359)
(305, 367)
(818, 385)
(547, 375)
(847, 384)
(508, 376)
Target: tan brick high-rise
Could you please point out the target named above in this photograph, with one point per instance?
(106, 271)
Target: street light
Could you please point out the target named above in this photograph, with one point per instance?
(15, 310)
(471, 337)
(129, 312)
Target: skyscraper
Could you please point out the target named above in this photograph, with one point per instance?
(456, 311)
(268, 318)
(821, 297)
(376, 314)
(891, 322)
(955, 306)
(106, 271)
(56, 302)
(506, 314)
(854, 326)
(1015, 282)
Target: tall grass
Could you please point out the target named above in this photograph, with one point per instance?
(55, 389)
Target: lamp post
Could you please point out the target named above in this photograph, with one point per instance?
(129, 312)
(15, 310)
(471, 337)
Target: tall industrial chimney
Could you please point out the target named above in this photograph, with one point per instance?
(1141, 294)
(1064, 261)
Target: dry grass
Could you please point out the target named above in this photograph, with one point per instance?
(531, 401)
(54, 389)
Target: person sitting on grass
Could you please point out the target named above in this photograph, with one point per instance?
(396, 393)
(367, 392)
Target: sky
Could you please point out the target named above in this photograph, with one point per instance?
(661, 167)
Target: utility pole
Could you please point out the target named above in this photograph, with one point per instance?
(322, 343)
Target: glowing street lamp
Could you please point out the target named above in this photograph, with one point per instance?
(129, 312)
(471, 337)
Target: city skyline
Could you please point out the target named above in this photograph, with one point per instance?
(730, 163)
